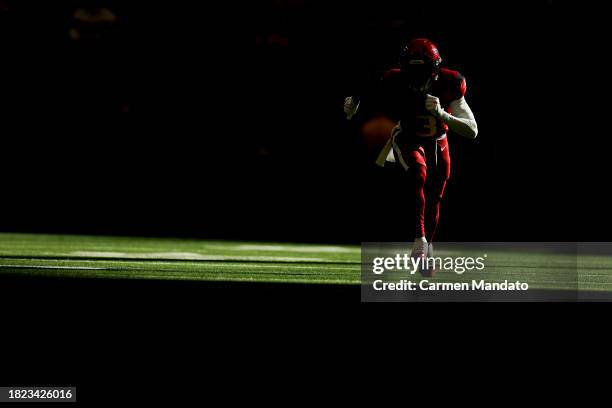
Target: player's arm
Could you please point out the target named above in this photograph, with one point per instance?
(460, 118)
(461, 121)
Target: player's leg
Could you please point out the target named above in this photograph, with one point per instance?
(419, 175)
(416, 161)
(439, 176)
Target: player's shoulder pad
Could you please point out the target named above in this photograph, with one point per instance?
(453, 81)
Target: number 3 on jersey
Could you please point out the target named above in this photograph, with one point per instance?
(429, 126)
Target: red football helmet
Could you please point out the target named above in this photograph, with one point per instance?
(421, 60)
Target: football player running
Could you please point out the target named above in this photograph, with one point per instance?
(427, 100)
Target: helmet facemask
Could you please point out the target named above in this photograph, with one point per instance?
(420, 73)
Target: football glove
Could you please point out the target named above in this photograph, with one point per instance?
(432, 104)
(350, 107)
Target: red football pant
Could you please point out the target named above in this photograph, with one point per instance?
(429, 164)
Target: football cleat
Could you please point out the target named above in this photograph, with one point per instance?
(419, 251)
(429, 270)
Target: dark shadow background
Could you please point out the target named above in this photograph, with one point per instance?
(165, 118)
(178, 123)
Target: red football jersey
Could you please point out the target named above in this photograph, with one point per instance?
(408, 106)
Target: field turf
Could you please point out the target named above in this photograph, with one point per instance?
(177, 259)
(232, 261)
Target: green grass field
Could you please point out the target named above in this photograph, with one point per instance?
(231, 261)
(177, 259)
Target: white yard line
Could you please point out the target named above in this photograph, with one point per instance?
(189, 256)
(292, 248)
(88, 268)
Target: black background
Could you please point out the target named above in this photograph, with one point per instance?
(194, 129)
(180, 123)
